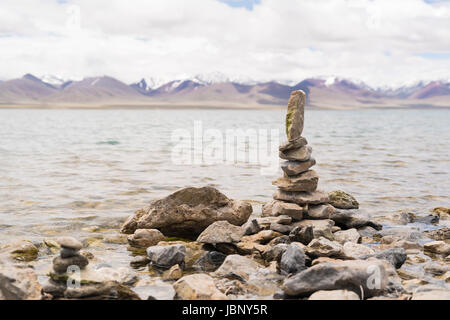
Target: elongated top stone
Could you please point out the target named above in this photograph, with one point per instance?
(295, 115)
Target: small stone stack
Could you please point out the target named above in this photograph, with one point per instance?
(297, 188)
(69, 255)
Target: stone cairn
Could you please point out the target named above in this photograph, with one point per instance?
(297, 189)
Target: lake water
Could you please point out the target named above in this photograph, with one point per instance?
(62, 171)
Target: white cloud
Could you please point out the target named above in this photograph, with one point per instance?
(280, 40)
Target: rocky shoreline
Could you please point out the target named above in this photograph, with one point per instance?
(198, 244)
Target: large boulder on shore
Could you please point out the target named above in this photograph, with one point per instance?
(359, 276)
(187, 212)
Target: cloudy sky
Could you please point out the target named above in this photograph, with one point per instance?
(381, 42)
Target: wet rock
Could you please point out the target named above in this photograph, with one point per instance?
(295, 115)
(139, 261)
(121, 275)
(55, 289)
(429, 219)
(210, 261)
(348, 219)
(302, 198)
(22, 250)
(442, 213)
(438, 247)
(334, 295)
(352, 275)
(221, 232)
(167, 256)
(350, 235)
(237, 267)
(306, 181)
(110, 290)
(302, 234)
(342, 200)
(293, 260)
(198, 287)
(323, 247)
(187, 212)
(173, 273)
(144, 238)
(395, 256)
(439, 234)
(70, 243)
(294, 144)
(60, 265)
(19, 283)
(274, 253)
(154, 289)
(320, 211)
(301, 154)
(293, 168)
(356, 251)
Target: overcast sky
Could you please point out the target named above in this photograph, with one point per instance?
(381, 42)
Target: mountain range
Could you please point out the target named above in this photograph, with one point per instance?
(215, 91)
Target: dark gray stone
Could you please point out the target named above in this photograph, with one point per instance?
(167, 256)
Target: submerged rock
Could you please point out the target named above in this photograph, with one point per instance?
(187, 212)
(22, 250)
(353, 275)
(342, 200)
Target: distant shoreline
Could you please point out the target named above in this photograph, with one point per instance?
(202, 107)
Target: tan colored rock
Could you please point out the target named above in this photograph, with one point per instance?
(295, 115)
(144, 238)
(321, 228)
(302, 198)
(198, 287)
(432, 295)
(19, 283)
(350, 235)
(323, 260)
(438, 247)
(174, 273)
(262, 237)
(187, 212)
(321, 211)
(323, 247)
(306, 181)
(236, 265)
(221, 232)
(334, 295)
(356, 251)
(277, 208)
